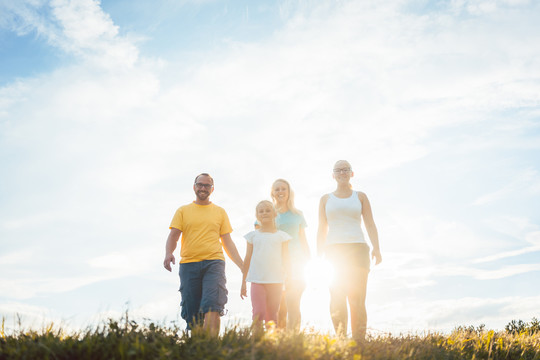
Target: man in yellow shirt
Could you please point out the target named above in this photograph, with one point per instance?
(202, 266)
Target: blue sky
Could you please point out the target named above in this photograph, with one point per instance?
(109, 109)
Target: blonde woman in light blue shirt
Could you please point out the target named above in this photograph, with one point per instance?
(291, 220)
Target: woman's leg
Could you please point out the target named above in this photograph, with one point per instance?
(273, 298)
(337, 256)
(357, 304)
(294, 291)
(258, 302)
(338, 308)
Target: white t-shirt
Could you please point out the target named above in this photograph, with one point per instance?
(266, 265)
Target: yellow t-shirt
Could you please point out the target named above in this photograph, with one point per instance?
(202, 227)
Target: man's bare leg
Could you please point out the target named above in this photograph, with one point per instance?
(212, 323)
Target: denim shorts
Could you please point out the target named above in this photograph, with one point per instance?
(202, 286)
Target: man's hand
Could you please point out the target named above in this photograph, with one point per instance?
(172, 240)
(169, 258)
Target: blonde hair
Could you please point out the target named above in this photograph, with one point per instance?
(266, 202)
(290, 200)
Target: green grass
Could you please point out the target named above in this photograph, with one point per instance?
(127, 339)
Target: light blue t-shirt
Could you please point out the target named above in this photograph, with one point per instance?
(291, 223)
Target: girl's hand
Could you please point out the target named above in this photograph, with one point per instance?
(243, 290)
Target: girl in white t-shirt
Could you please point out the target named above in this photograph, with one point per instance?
(266, 264)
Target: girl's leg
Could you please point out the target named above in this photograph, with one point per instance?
(294, 292)
(273, 298)
(282, 313)
(357, 304)
(258, 302)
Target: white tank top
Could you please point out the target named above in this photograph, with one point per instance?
(344, 218)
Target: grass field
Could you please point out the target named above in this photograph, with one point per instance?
(126, 339)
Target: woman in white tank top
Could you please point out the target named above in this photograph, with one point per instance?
(341, 239)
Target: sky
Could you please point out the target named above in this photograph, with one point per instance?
(109, 109)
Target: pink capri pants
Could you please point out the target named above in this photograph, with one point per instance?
(265, 299)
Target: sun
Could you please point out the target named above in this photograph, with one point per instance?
(318, 274)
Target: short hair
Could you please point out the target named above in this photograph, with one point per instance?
(344, 161)
(203, 174)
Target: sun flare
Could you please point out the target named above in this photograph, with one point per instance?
(318, 273)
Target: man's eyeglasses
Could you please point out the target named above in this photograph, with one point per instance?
(206, 186)
(342, 170)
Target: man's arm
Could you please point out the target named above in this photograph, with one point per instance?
(232, 252)
(170, 246)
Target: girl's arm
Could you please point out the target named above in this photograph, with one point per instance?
(303, 242)
(323, 225)
(370, 227)
(247, 263)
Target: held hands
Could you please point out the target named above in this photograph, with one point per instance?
(243, 290)
(169, 258)
(376, 254)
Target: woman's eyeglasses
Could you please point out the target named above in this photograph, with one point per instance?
(342, 170)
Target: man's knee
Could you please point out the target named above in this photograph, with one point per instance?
(215, 292)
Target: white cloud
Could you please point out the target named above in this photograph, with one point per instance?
(482, 7)
(407, 229)
(119, 264)
(493, 312)
(88, 31)
(23, 16)
(508, 254)
(78, 27)
(17, 257)
(527, 181)
(487, 274)
(413, 316)
(25, 288)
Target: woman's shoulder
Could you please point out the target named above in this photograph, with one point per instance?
(361, 195)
